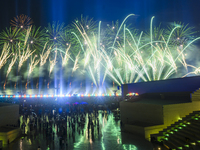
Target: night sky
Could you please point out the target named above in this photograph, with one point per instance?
(46, 11)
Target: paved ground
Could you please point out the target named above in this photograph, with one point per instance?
(107, 137)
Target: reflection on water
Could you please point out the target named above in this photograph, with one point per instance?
(108, 136)
(100, 131)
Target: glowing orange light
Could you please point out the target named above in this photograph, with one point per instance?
(8, 96)
(19, 95)
(41, 95)
(51, 95)
(109, 94)
(3, 95)
(13, 95)
(35, 95)
(102, 94)
(81, 95)
(136, 94)
(96, 95)
(88, 95)
(69, 95)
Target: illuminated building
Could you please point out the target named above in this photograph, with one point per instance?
(159, 104)
(9, 130)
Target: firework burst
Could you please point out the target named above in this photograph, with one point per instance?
(155, 60)
(115, 52)
(36, 39)
(11, 37)
(54, 34)
(21, 22)
(136, 56)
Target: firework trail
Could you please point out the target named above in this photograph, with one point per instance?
(153, 60)
(33, 64)
(76, 63)
(96, 56)
(26, 52)
(91, 50)
(44, 56)
(66, 57)
(52, 63)
(196, 71)
(137, 57)
(11, 64)
(4, 55)
(10, 68)
(125, 57)
(23, 56)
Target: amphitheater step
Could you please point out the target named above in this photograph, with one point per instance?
(193, 130)
(196, 147)
(181, 142)
(183, 134)
(196, 111)
(194, 126)
(175, 143)
(168, 145)
(190, 137)
(181, 137)
(197, 123)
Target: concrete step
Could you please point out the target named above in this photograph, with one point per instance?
(197, 123)
(188, 132)
(175, 129)
(185, 135)
(194, 126)
(190, 137)
(196, 111)
(174, 142)
(193, 129)
(168, 145)
(195, 147)
(188, 125)
(191, 132)
(179, 140)
(171, 128)
(179, 136)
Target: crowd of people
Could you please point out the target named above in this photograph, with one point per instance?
(62, 119)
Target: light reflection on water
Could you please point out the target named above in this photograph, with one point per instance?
(110, 131)
(107, 137)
